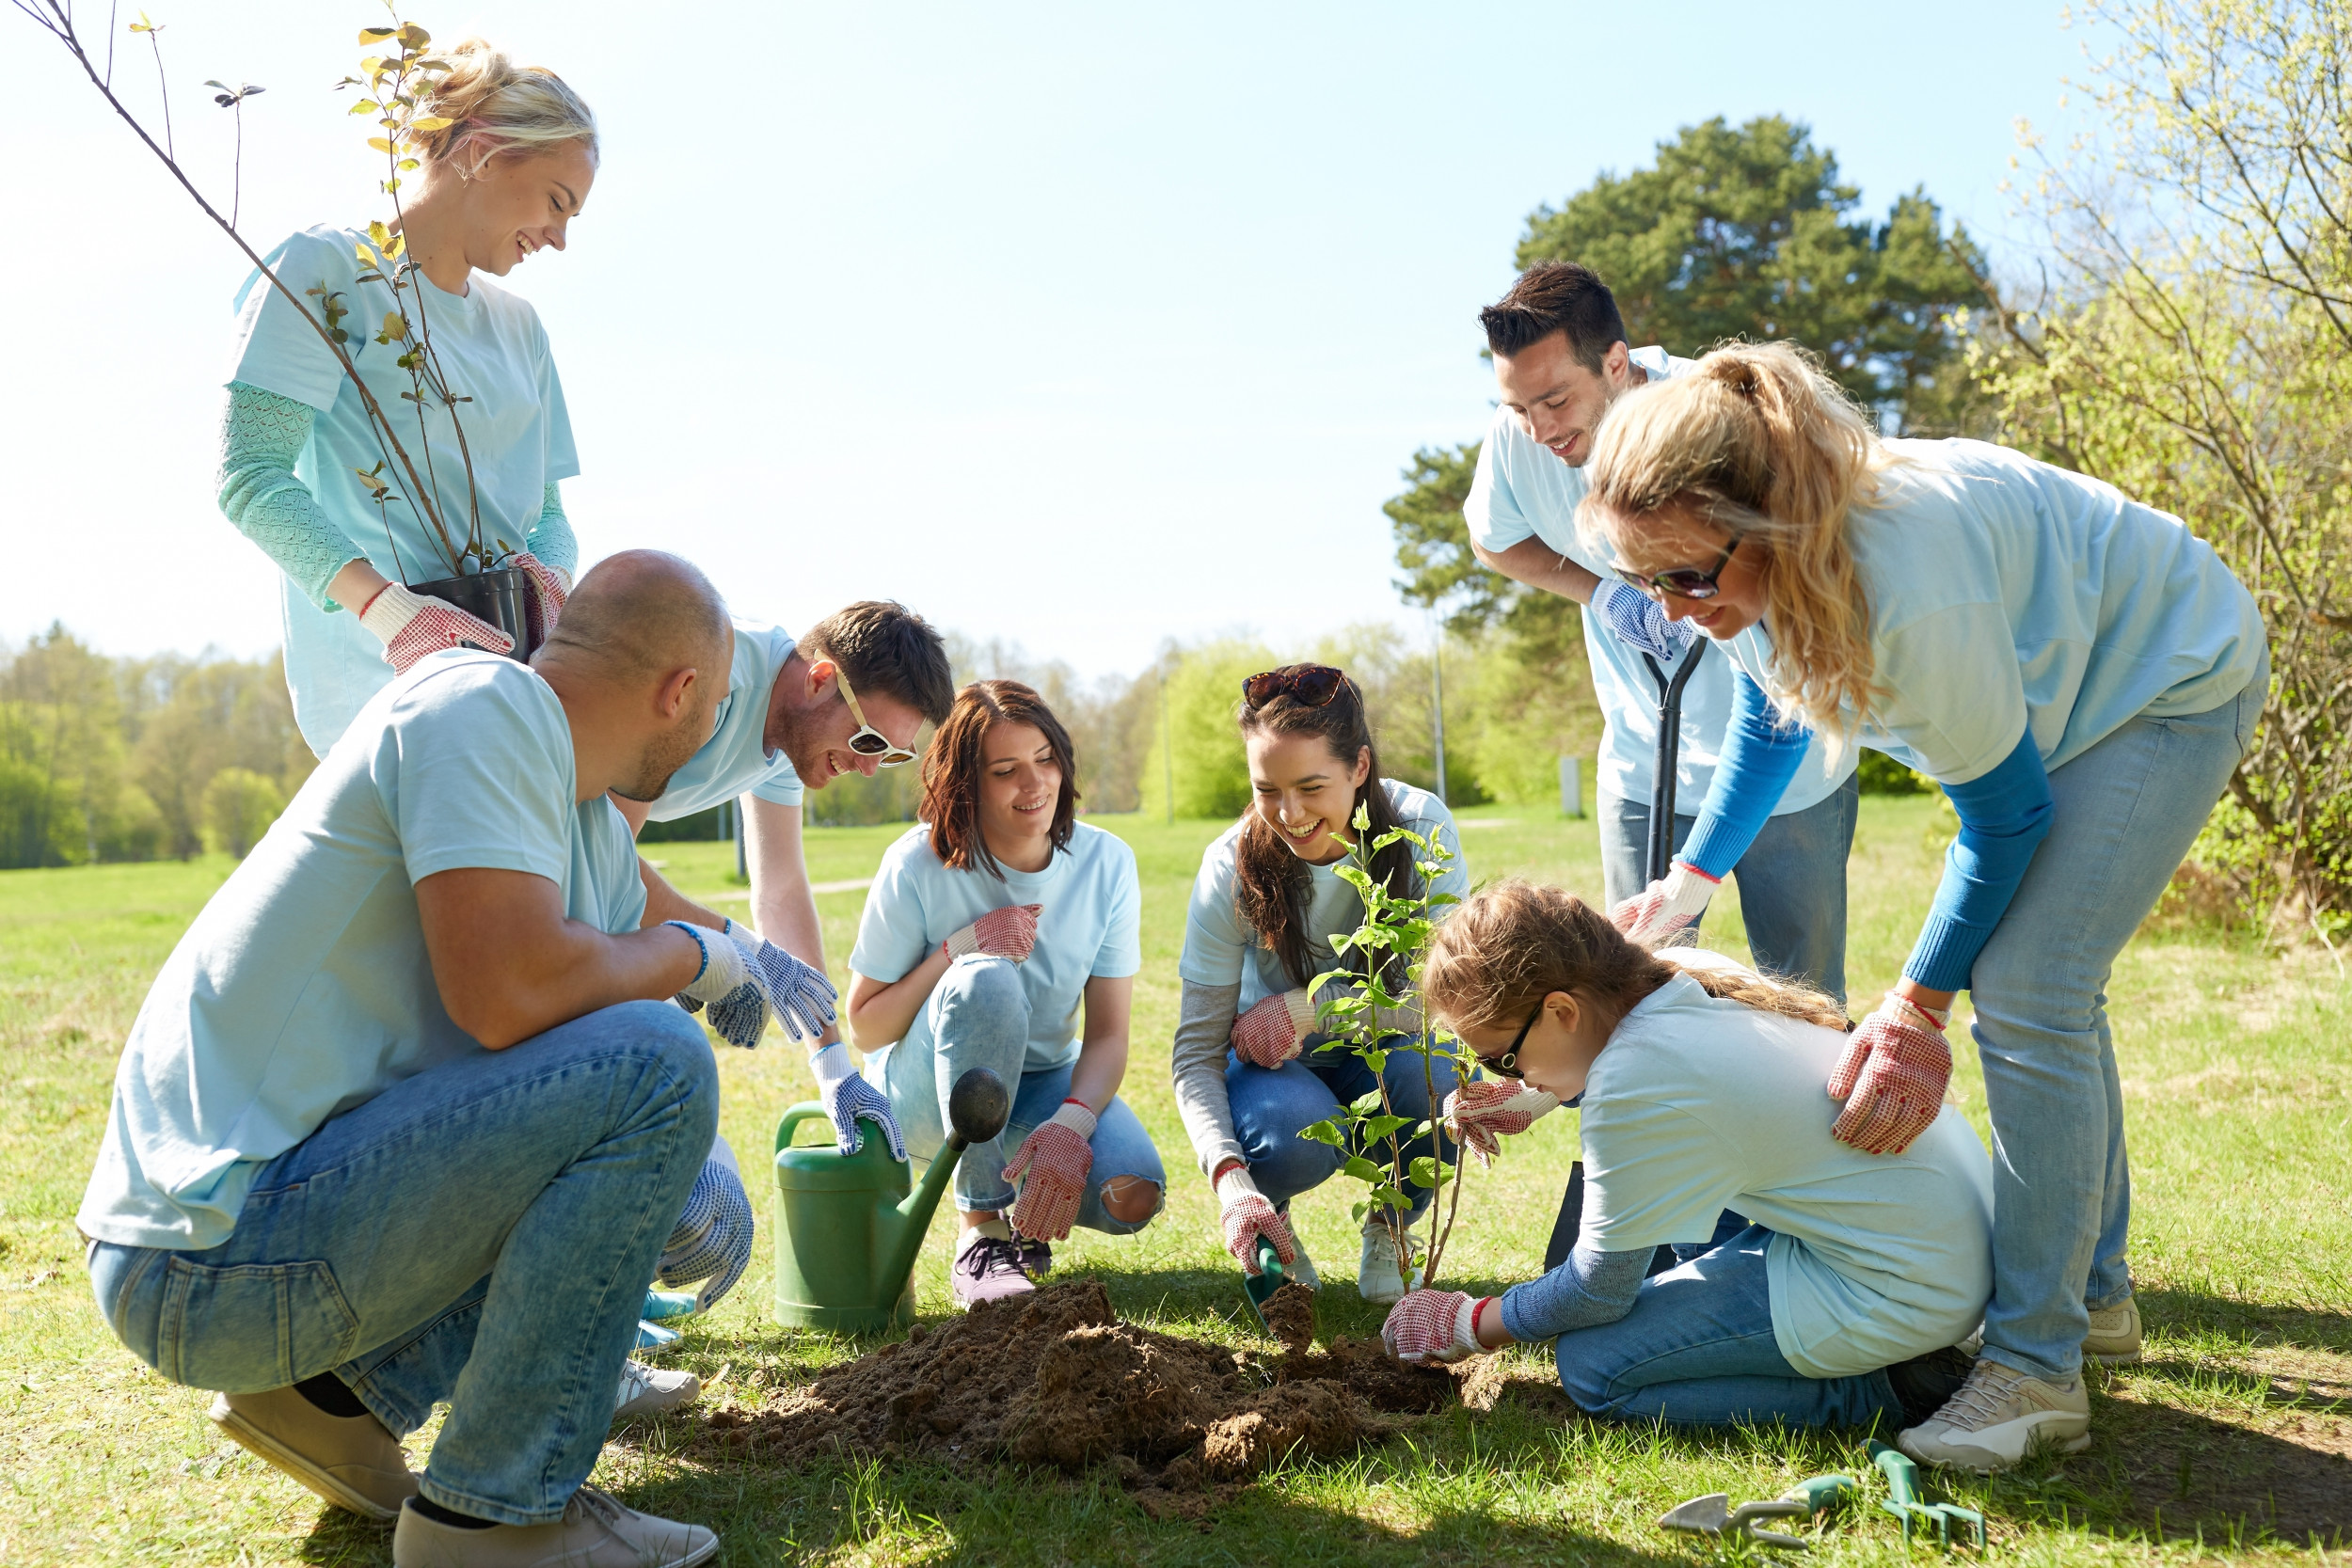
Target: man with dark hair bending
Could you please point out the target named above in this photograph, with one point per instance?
(408, 1116)
(1560, 359)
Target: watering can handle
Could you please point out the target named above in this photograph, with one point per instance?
(807, 1110)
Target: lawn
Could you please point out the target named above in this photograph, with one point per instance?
(2235, 1436)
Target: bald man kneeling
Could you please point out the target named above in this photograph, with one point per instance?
(407, 1116)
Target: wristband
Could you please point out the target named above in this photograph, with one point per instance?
(700, 945)
(1942, 1020)
(1076, 1116)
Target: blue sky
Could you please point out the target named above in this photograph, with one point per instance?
(1081, 326)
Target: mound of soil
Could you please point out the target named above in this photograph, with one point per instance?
(1055, 1378)
(1290, 1316)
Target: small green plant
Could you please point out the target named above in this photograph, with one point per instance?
(1367, 1011)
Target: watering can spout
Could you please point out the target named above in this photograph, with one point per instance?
(977, 1108)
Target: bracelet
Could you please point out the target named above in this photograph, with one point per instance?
(699, 947)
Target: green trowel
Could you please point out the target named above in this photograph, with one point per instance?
(1260, 1288)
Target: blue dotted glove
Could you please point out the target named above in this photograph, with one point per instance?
(848, 1097)
(712, 1242)
(801, 997)
(1638, 622)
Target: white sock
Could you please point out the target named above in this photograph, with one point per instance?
(998, 1229)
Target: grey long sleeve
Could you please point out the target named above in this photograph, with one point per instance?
(1204, 1027)
(1591, 1289)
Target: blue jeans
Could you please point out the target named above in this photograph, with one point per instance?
(1698, 1350)
(1792, 880)
(1270, 1106)
(2127, 811)
(978, 1015)
(480, 1233)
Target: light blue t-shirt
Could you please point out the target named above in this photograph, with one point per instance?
(2008, 595)
(518, 437)
(303, 989)
(1523, 490)
(736, 759)
(1698, 1104)
(1221, 949)
(1091, 928)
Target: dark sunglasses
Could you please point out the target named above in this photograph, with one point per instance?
(1684, 582)
(1309, 685)
(1507, 1065)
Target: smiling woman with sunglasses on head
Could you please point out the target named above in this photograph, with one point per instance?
(1265, 905)
(1840, 1301)
(2079, 673)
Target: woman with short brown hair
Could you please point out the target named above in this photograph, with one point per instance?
(1002, 932)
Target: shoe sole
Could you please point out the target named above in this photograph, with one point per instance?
(1994, 1465)
(278, 1457)
(655, 1403)
(2113, 1358)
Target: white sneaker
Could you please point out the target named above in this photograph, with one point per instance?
(2000, 1416)
(652, 1390)
(1300, 1270)
(1377, 1277)
(2114, 1338)
(596, 1531)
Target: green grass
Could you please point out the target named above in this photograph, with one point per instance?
(2236, 1067)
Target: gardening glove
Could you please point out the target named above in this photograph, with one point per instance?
(549, 588)
(1655, 915)
(1639, 622)
(712, 1242)
(411, 625)
(1275, 1030)
(1892, 1077)
(803, 998)
(1057, 1158)
(1005, 933)
(847, 1096)
(1483, 1110)
(1247, 1215)
(1433, 1325)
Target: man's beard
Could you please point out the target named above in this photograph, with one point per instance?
(662, 758)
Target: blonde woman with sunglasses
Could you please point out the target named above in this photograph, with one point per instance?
(2080, 674)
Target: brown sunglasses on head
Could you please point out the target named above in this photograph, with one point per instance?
(1308, 685)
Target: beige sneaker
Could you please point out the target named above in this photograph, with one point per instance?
(1377, 1277)
(2114, 1337)
(351, 1461)
(652, 1391)
(2000, 1416)
(596, 1531)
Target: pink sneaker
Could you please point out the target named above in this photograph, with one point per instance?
(988, 1269)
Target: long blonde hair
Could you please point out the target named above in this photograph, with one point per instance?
(1513, 942)
(1759, 441)
(499, 106)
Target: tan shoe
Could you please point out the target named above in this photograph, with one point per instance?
(2114, 1338)
(351, 1461)
(2000, 1416)
(652, 1391)
(596, 1531)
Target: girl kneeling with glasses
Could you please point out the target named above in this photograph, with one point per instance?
(1843, 1301)
(1266, 904)
(1002, 932)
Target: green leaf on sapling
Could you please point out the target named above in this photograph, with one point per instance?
(375, 35)
(1422, 1172)
(1358, 1211)
(429, 122)
(1325, 1132)
(1362, 1169)
(1362, 819)
(1381, 1125)
(1365, 1103)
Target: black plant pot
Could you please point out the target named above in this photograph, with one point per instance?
(502, 597)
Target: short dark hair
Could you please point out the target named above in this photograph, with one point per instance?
(1556, 296)
(951, 771)
(887, 649)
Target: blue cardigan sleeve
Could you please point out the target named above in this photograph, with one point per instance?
(2003, 816)
(1760, 755)
(1592, 1288)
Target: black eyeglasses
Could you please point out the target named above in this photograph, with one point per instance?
(1684, 582)
(1507, 1065)
(1309, 685)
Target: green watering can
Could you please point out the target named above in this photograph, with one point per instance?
(847, 1231)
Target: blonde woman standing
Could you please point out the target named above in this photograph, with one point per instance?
(500, 182)
(2078, 671)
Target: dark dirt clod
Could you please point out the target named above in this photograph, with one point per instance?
(1055, 1378)
(1289, 1317)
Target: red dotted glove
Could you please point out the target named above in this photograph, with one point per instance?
(1433, 1325)
(1055, 1159)
(1655, 914)
(1892, 1078)
(1005, 933)
(412, 626)
(1247, 1215)
(1275, 1030)
(1478, 1113)
(549, 590)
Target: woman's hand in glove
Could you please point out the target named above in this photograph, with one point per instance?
(1479, 1112)
(549, 590)
(1892, 1077)
(1247, 1215)
(411, 625)
(1434, 1325)
(1655, 915)
(1275, 1030)
(1639, 621)
(1051, 1165)
(1005, 933)
(849, 1097)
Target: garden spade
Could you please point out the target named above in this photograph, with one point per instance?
(1269, 1279)
(1714, 1515)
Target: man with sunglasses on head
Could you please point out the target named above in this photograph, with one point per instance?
(850, 695)
(1560, 359)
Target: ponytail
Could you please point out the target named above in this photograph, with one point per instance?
(498, 106)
